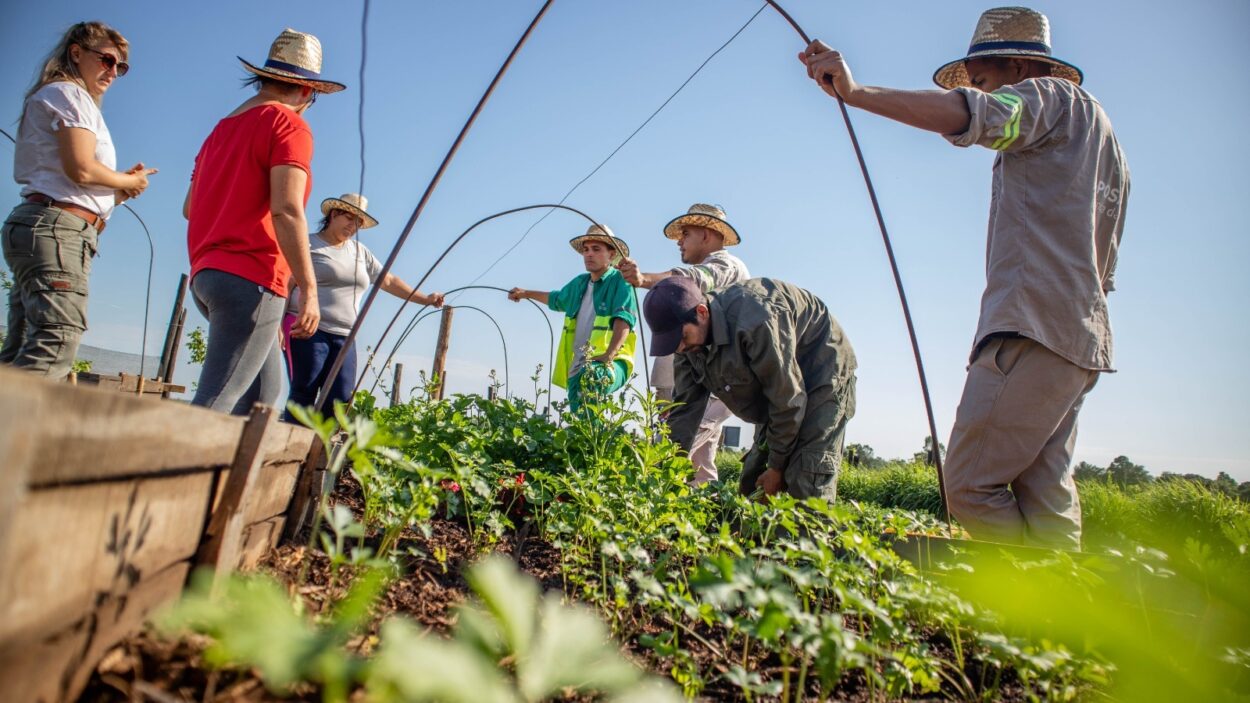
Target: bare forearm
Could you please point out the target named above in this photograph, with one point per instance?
(291, 230)
(397, 287)
(944, 112)
(650, 279)
(620, 330)
(95, 174)
(540, 296)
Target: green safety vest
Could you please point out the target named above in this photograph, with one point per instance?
(613, 298)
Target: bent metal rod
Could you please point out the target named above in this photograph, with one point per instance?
(323, 393)
(475, 225)
(898, 280)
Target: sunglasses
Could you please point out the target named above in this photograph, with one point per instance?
(110, 62)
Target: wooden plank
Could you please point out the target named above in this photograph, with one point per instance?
(223, 538)
(258, 539)
(287, 442)
(76, 545)
(271, 495)
(84, 434)
(17, 456)
(307, 490)
(56, 667)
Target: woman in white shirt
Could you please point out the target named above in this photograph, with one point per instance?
(65, 164)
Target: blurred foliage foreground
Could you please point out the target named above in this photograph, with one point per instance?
(719, 594)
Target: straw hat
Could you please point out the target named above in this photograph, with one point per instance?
(600, 233)
(354, 203)
(295, 57)
(1012, 32)
(701, 215)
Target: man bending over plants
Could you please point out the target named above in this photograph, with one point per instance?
(773, 354)
(596, 354)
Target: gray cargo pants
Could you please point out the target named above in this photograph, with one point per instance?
(49, 252)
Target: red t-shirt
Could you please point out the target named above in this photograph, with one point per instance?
(230, 227)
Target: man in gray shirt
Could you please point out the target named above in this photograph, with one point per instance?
(1056, 217)
(702, 235)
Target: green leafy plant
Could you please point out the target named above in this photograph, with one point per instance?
(514, 645)
(197, 346)
(252, 622)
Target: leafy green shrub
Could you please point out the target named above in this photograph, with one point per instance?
(510, 646)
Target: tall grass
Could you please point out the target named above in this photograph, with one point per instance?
(1162, 514)
(909, 486)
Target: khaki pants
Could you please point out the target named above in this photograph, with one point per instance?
(1008, 472)
(707, 441)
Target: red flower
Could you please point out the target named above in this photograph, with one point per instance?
(520, 479)
(449, 485)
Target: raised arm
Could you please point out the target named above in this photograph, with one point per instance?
(516, 295)
(944, 112)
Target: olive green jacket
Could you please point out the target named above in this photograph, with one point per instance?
(774, 353)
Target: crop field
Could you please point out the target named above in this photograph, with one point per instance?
(472, 550)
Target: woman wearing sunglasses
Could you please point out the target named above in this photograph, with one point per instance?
(65, 163)
(247, 235)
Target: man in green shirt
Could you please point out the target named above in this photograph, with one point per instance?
(596, 355)
(773, 354)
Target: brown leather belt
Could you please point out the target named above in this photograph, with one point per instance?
(92, 219)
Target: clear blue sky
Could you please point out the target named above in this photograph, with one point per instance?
(751, 133)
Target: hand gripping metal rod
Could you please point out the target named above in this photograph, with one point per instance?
(898, 280)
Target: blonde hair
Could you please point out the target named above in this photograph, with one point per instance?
(88, 35)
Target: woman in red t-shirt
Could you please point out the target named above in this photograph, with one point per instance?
(246, 233)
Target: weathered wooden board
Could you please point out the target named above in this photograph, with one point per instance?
(258, 539)
(272, 493)
(71, 434)
(104, 504)
(74, 545)
(55, 667)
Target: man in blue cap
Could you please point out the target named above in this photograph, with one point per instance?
(773, 354)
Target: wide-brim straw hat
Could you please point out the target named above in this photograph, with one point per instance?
(354, 203)
(703, 215)
(295, 57)
(1008, 32)
(600, 233)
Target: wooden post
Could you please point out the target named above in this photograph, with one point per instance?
(440, 351)
(224, 538)
(396, 395)
(173, 333)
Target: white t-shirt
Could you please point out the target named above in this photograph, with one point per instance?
(37, 160)
(343, 275)
(585, 325)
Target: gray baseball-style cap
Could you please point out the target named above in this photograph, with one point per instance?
(668, 306)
